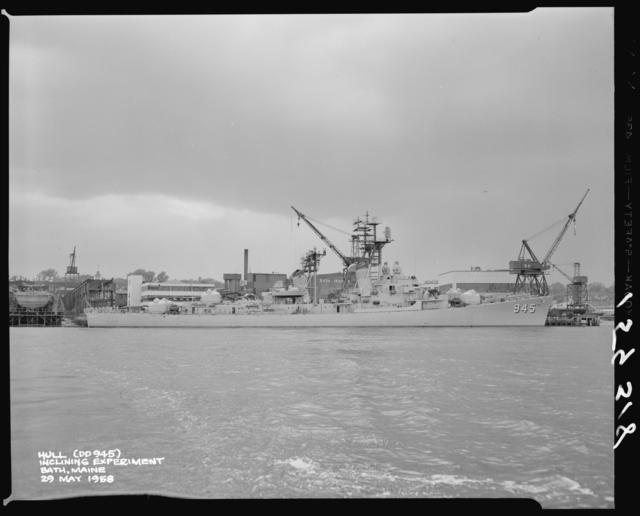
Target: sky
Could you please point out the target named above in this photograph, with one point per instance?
(173, 143)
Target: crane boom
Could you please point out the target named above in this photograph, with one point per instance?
(525, 245)
(72, 270)
(345, 259)
(562, 272)
(556, 242)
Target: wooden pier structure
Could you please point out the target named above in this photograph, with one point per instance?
(25, 317)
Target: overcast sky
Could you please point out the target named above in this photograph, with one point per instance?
(174, 142)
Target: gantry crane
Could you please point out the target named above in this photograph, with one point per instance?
(577, 291)
(530, 270)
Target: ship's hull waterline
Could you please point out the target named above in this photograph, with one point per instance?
(526, 312)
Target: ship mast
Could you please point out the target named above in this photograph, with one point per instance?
(366, 245)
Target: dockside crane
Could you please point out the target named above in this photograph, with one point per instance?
(529, 269)
(346, 260)
(577, 291)
(562, 272)
(72, 269)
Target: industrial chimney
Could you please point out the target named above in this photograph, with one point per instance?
(246, 264)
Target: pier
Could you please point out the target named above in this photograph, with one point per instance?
(25, 317)
(572, 316)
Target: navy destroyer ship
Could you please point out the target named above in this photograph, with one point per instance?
(373, 294)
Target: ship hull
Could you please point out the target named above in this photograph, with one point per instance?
(32, 300)
(510, 313)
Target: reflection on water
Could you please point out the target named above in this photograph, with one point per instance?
(457, 412)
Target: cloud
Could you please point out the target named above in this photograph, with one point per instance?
(197, 120)
(204, 106)
(120, 233)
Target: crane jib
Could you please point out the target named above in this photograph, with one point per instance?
(570, 218)
(346, 260)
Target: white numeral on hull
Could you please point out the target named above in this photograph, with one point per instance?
(523, 309)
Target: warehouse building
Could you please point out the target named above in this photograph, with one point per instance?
(259, 282)
(496, 281)
(252, 282)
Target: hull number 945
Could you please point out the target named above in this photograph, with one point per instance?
(524, 308)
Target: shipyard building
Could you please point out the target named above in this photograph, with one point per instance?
(139, 292)
(255, 282)
(259, 282)
(496, 281)
(95, 293)
(252, 282)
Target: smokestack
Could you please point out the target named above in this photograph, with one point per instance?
(246, 264)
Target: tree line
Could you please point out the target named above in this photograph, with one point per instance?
(599, 294)
(147, 276)
(151, 276)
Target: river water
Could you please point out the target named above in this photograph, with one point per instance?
(327, 412)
